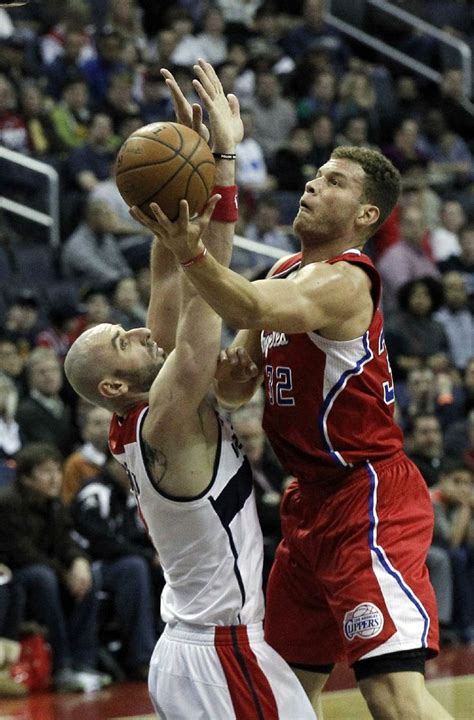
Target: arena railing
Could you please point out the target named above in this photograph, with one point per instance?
(414, 21)
(49, 219)
(259, 248)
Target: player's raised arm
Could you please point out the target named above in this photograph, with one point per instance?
(190, 369)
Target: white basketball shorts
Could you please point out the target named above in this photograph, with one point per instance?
(223, 673)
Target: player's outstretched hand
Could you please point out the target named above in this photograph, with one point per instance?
(183, 236)
(235, 364)
(224, 112)
(186, 114)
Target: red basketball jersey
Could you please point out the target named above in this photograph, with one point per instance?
(329, 404)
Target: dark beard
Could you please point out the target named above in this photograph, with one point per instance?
(140, 380)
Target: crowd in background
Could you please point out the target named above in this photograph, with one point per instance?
(76, 78)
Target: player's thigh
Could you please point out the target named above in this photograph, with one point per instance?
(291, 698)
(187, 681)
(298, 622)
(313, 684)
(379, 590)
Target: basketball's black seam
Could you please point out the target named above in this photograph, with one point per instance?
(158, 190)
(195, 170)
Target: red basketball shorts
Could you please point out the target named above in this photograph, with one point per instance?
(349, 580)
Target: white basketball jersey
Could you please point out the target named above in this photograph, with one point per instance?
(211, 546)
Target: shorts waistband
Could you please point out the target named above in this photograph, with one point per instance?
(214, 634)
(327, 487)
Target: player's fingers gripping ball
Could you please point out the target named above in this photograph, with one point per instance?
(165, 163)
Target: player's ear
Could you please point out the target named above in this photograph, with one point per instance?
(112, 388)
(367, 215)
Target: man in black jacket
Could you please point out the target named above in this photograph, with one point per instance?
(105, 514)
(50, 567)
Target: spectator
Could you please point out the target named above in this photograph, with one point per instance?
(444, 238)
(89, 460)
(457, 319)
(426, 393)
(292, 167)
(407, 259)
(128, 311)
(124, 18)
(71, 116)
(97, 306)
(355, 132)
(357, 96)
(320, 97)
(65, 65)
(43, 415)
(410, 103)
(264, 229)
(239, 13)
(63, 317)
(438, 562)
(74, 17)
(455, 106)
(244, 83)
(22, 320)
(459, 440)
(274, 115)
(425, 446)
(43, 140)
(212, 40)
(91, 162)
(36, 543)
(412, 335)
(251, 168)
(468, 387)
(155, 101)
(12, 362)
(322, 136)
(99, 71)
(119, 103)
(407, 149)
(315, 32)
(463, 263)
(451, 159)
(13, 130)
(105, 514)
(453, 502)
(187, 45)
(10, 440)
(91, 253)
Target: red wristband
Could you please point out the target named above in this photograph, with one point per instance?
(227, 209)
(200, 256)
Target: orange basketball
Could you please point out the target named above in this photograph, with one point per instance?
(164, 163)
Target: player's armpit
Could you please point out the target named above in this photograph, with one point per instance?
(156, 461)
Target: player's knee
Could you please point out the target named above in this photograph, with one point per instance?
(390, 698)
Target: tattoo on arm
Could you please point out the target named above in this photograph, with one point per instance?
(156, 462)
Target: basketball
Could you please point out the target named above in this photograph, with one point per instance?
(165, 162)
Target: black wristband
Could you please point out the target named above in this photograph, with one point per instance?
(224, 156)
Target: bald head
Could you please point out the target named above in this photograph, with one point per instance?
(112, 367)
(84, 369)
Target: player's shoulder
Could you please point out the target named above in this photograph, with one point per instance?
(284, 264)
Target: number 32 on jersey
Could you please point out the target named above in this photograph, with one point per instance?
(279, 385)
